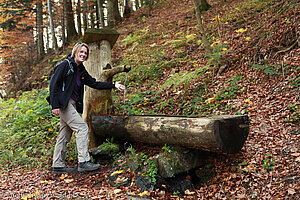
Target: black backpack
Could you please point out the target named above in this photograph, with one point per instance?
(71, 70)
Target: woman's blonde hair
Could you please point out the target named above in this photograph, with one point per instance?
(77, 48)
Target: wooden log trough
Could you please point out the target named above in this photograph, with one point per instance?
(223, 133)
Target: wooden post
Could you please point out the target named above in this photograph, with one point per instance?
(99, 102)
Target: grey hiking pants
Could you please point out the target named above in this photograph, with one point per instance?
(71, 121)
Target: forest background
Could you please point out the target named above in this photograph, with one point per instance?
(227, 57)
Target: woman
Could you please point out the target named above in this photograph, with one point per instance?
(66, 99)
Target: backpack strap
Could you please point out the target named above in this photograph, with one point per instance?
(70, 70)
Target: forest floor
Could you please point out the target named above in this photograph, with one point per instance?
(268, 166)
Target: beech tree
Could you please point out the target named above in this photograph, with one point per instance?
(78, 13)
(205, 41)
(63, 26)
(54, 40)
(39, 29)
(203, 5)
(127, 9)
(100, 14)
(220, 65)
(69, 19)
(113, 14)
(85, 15)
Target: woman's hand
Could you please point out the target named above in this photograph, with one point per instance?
(55, 111)
(119, 86)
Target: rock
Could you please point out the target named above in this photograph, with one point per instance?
(179, 160)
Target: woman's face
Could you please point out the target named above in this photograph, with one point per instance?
(81, 55)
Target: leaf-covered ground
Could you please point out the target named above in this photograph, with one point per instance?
(261, 34)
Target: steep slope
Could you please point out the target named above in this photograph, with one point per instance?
(172, 74)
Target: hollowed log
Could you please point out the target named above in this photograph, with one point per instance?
(226, 133)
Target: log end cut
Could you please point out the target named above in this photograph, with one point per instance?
(232, 132)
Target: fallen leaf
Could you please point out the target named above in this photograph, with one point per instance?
(210, 100)
(291, 191)
(116, 172)
(63, 176)
(241, 30)
(116, 191)
(295, 154)
(69, 180)
(121, 180)
(188, 192)
(250, 167)
(144, 193)
(45, 181)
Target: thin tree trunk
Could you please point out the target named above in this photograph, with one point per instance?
(100, 13)
(205, 41)
(85, 16)
(203, 5)
(97, 16)
(70, 24)
(39, 28)
(91, 13)
(78, 12)
(47, 38)
(117, 15)
(110, 14)
(63, 24)
(127, 9)
(137, 4)
(54, 40)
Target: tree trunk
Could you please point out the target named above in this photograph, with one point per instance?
(54, 40)
(149, 3)
(203, 5)
(39, 28)
(70, 24)
(137, 4)
(127, 9)
(113, 14)
(97, 15)
(99, 66)
(92, 16)
(212, 133)
(117, 15)
(85, 16)
(78, 12)
(63, 26)
(205, 41)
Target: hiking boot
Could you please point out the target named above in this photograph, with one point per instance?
(61, 170)
(87, 167)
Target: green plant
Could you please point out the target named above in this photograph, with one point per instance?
(136, 38)
(241, 167)
(219, 49)
(294, 113)
(273, 69)
(145, 164)
(269, 163)
(152, 170)
(167, 149)
(109, 146)
(27, 130)
(182, 39)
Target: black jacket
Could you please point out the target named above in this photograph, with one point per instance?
(59, 96)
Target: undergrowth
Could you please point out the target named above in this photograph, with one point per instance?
(27, 130)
